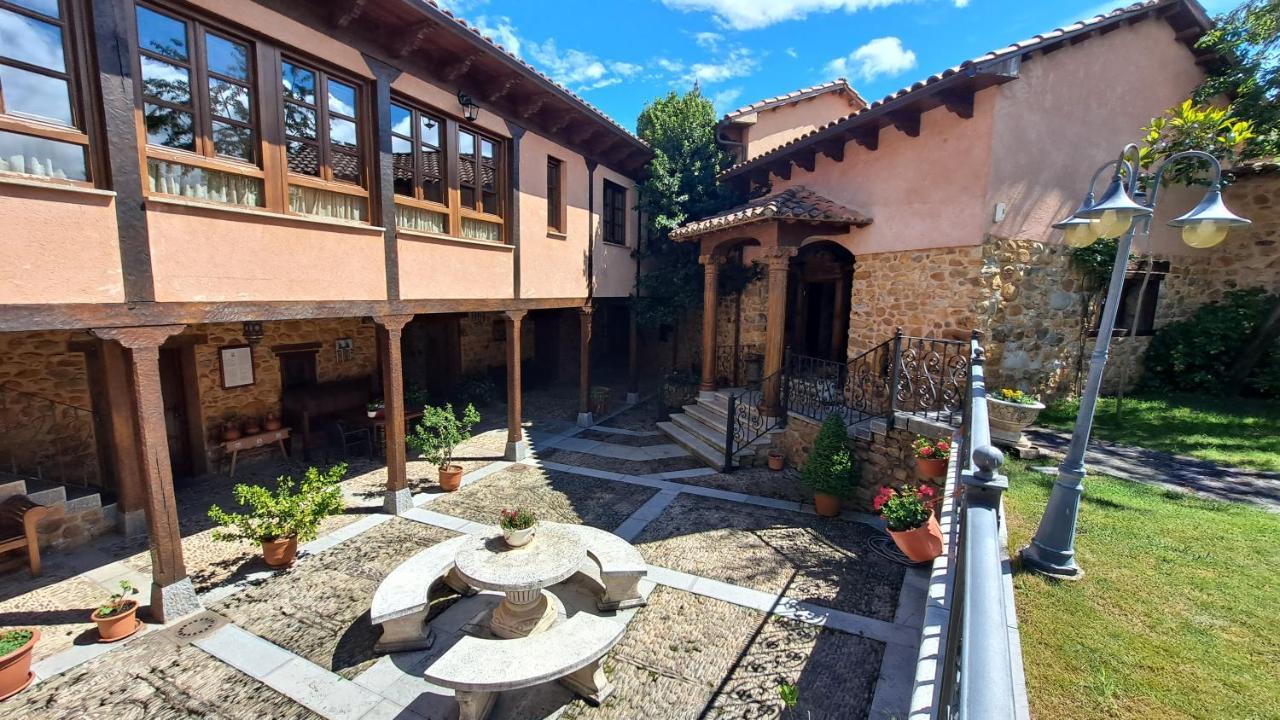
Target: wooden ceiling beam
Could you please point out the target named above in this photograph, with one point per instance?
(504, 88)
(782, 169)
(533, 108)
(869, 138)
(414, 37)
(807, 160)
(833, 148)
(958, 102)
(344, 13)
(461, 67)
(906, 121)
(560, 123)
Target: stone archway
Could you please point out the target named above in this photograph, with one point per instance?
(817, 319)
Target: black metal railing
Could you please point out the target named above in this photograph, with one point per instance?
(738, 366)
(931, 376)
(751, 415)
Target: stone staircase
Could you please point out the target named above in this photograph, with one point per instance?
(700, 429)
(76, 515)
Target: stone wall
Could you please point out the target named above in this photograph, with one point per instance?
(483, 341)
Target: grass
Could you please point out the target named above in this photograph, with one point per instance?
(1175, 617)
(1228, 431)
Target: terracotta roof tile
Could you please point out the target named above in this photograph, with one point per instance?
(794, 203)
(837, 85)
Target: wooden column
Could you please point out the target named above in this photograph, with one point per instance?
(172, 594)
(633, 359)
(710, 297)
(398, 498)
(131, 493)
(839, 336)
(778, 262)
(584, 366)
(517, 448)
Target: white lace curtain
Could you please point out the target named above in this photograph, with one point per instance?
(325, 204)
(200, 184)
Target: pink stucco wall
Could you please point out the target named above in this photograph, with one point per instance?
(615, 269)
(780, 125)
(443, 269)
(552, 265)
(60, 246)
(213, 255)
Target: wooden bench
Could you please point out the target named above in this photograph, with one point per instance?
(402, 601)
(19, 516)
(620, 565)
(571, 652)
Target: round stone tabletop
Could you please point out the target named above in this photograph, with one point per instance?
(489, 564)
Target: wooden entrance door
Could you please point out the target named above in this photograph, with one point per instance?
(176, 413)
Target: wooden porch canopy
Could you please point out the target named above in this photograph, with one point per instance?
(795, 204)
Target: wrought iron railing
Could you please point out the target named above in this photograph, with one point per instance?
(931, 375)
(978, 666)
(738, 366)
(750, 417)
(47, 439)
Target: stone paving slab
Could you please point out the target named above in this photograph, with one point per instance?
(60, 610)
(686, 656)
(630, 438)
(826, 562)
(552, 495)
(762, 482)
(626, 467)
(319, 609)
(148, 678)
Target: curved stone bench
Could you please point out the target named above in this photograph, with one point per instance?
(621, 566)
(571, 652)
(402, 601)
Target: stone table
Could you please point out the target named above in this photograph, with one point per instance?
(488, 563)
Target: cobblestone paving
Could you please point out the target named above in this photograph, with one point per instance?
(623, 439)
(641, 417)
(320, 608)
(61, 611)
(150, 678)
(627, 467)
(687, 656)
(556, 496)
(827, 562)
(784, 485)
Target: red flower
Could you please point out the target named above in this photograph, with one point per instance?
(925, 492)
(882, 497)
(944, 446)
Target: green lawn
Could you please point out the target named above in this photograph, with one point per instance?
(1175, 617)
(1228, 431)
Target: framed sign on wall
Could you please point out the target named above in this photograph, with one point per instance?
(237, 365)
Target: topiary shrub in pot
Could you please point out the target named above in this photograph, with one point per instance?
(16, 647)
(437, 434)
(278, 520)
(830, 472)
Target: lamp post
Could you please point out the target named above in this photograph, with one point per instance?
(1126, 208)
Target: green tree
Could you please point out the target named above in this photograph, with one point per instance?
(830, 469)
(1248, 38)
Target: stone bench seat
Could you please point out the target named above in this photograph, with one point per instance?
(571, 652)
(620, 567)
(402, 601)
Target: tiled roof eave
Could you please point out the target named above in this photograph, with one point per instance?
(705, 227)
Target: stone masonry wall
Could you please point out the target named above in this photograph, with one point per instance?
(483, 341)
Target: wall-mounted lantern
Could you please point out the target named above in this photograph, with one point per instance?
(470, 110)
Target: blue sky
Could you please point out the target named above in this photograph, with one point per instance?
(620, 54)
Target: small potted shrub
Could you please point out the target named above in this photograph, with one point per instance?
(436, 436)
(776, 459)
(931, 456)
(279, 520)
(117, 617)
(1010, 412)
(15, 659)
(908, 513)
(375, 408)
(518, 526)
(830, 470)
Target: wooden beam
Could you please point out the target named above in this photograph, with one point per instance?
(460, 68)
(533, 108)
(560, 124)
(833, 148)
(583, 134)
(869, 138)
(414, 37)
(504, 88)
(958, 102)
(782, 169)
(345, 13)
(906, 121)
(807, 160)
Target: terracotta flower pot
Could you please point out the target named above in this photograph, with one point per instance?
(280, 553)
(776, 460)
(272, 423)
(118, 626)
(252, 428)
(230, 432)
(826, 505)
(920, 544)
(15, 668)
(931, 467)
(520, 538)
(450, 477)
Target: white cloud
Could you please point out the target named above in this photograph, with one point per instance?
(791, 53)
(499, 30)
(754, 14)
(961, 3)
(708, 39)
(671, 66)
(726, 99)
(626, 69)
(567, 67)
(882, 56)
(570, 67)
(739, 62)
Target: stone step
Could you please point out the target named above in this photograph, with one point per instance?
(693, 444)
(707, 415)
(12, 487)
(46, 493)
(712, 436)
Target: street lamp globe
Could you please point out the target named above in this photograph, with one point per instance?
(1207, 224)
(1116, 211)
(1079, 231)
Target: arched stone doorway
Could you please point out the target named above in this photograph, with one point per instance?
(817, 322)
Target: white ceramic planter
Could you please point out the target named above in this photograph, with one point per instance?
(520, 538)
(1009, 419)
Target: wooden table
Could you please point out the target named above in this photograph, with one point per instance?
(378, 428)
(256, 441)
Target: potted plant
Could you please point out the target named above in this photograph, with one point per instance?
(1010, 412)
(375, 409)
(252, 426)
(230, 426)
(272, 423)
(15, 659)
(830, 470)
(117, 617)
(931, 456)
(908, 514)
(436, 435)
(599, 400)
(280, 519)
(776, 459)
(518, 526)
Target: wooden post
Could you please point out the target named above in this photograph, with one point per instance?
(517, 448)
(131, 493)
(840, 339)
(584, 367)
(710, 289)
(398, 498)
(633, 359)
(172, 594)
(778, 261)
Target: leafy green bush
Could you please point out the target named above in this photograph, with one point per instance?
(1194, 355)
(11, 640)
(830, 469)
(440, 431)
(477, 389)
(284, 513)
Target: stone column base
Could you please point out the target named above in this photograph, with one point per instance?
(170, 602)
(707, 395)
(133, 523)
(632, 398)
(585, 420)
(517, 451)
(397, 502)
(522, 614)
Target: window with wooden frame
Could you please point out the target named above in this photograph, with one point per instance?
(323, 148)
(419, 163)
(44, 129)
(555, 195)
(199, 111)
(479, 180)
(614, 213)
